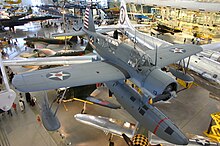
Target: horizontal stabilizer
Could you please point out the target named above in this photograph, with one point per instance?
(181, 75)
(103, 103)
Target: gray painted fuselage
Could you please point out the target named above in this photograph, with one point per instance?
(138, 67)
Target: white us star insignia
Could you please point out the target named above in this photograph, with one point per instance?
(178, 50)
(61, 75)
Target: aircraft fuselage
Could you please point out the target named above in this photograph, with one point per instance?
(139, 68)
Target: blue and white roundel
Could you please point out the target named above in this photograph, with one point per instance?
(60, 75)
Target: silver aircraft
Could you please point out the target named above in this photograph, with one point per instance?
(120, 62)
(117, 127)
(108, 125)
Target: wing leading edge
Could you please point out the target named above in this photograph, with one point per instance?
(75, 75)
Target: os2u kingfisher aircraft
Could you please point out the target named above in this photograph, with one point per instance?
(119, 62)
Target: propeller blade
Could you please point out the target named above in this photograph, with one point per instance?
(161, 97)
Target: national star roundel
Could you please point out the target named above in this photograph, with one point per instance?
(122, 15)
(178, 50)
(58, 76)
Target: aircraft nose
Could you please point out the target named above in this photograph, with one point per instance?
(180, 138)
(185, 141)
(79, 117)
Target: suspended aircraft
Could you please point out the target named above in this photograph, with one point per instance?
(19, 20)
(120, 61)
(162, 28)
(12, 2)
(58, 12)
(46, 52)
(35, 17)
(31, 40)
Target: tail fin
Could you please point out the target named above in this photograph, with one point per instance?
(88, 20)
(123, 16)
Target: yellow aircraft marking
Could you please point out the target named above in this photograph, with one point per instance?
(63, 37)
(77, 99)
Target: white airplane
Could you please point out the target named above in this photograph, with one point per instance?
(205, 67)
(8, 95)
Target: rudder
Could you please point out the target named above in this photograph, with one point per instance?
(123, 16)
(88, 20)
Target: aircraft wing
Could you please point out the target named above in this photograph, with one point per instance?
(212, 46)
(174, 53)
(64, 60)
(111, 27)
(68, 76)
(81, 32)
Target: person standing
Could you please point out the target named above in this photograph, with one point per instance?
(14, 106)
(184, 41)
(28, 97)
(21, 105)
(21, 100)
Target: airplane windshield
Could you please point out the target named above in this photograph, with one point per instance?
(143, 62)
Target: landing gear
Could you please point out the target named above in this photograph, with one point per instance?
(110, 140)
(83, 111)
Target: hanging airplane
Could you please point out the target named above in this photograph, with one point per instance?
(12, 2)
(30, 41)
(19, 20)
(46, 52)
(35, 17)
(162, 28)
(120, 61)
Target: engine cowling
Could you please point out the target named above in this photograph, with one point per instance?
(158, 83)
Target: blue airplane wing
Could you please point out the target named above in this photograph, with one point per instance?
(174, 53)
(68, 76)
